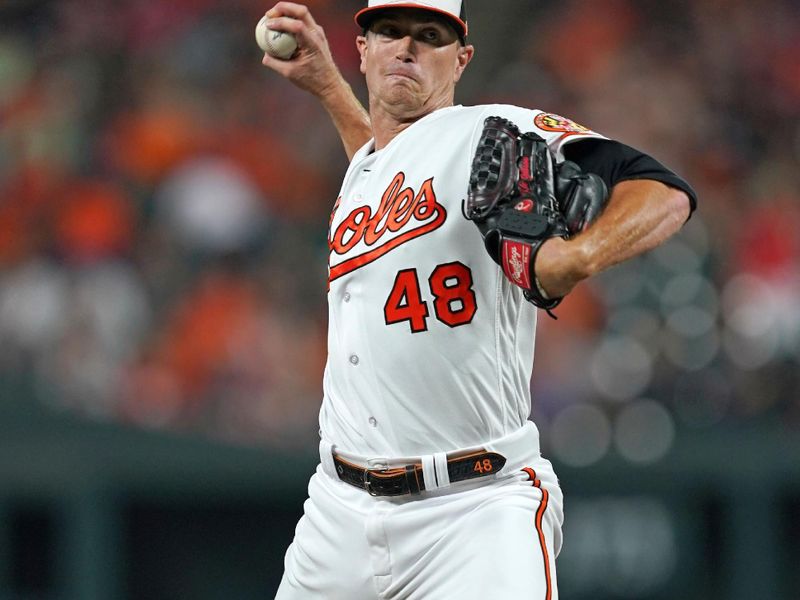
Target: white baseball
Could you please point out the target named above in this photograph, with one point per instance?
(279, 44)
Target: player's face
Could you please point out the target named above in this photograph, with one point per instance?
(412, 61)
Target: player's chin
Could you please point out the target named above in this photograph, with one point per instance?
(404, 92)
(400, 85)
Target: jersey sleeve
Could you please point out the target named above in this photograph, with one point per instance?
(556, 130)
(614, 162)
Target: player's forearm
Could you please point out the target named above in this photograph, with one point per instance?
(640, 215)
(313, 69)
(348, 115)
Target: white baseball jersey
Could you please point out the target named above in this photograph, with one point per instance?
(430, 347)
(430, 350)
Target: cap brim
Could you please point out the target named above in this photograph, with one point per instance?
(363, 16)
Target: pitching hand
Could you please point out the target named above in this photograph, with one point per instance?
(312, 67)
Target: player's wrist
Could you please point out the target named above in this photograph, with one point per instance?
(560, 265)
(333, 89)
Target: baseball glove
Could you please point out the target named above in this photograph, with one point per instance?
(519, 198)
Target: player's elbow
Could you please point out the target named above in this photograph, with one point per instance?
(679, 208)
(674, 208)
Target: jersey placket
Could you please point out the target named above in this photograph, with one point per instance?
(353, 351)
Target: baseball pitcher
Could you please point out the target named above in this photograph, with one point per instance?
(452, 226)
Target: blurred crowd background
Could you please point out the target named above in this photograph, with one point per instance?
(164, 200)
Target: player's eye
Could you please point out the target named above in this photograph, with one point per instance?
(389, 30)
(430, 35)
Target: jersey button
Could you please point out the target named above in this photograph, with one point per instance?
(353, 359)
(373, 421)
(346, 296)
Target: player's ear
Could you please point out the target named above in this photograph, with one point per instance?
(465, 54)
(361, 44)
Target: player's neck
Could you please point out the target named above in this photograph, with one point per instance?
(388, 122)
(385, 130)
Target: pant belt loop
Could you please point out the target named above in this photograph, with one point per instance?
(326, 458)
(429, 472)
(440, 464)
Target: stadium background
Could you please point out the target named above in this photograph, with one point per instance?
(163, 211)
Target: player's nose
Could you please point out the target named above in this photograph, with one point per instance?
(406, 49)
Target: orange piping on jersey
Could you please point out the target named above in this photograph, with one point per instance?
(564, 136)
(539, 517)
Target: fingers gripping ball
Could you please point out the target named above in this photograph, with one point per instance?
(279, 44)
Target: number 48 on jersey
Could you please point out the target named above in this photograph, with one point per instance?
(450, 284)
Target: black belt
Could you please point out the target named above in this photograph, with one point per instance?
(408, 479)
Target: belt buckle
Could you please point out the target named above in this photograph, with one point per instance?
(368, 483)
(375, 465)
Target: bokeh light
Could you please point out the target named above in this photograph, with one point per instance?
(644, 431)
(621, 368)
(580, 435)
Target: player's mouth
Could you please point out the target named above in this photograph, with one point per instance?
(403, 73)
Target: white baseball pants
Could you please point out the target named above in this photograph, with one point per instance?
(486, 539)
